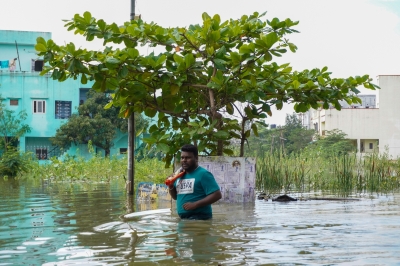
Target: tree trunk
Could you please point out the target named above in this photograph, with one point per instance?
(131, 154)
(242, 137)
(217, 116)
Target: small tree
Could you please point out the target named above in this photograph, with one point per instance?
(202, 74)
(94, 123)
(11, 126)
(11, 129)
(335, 143)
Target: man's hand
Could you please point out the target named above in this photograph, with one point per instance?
(210, 199)
(190, 206)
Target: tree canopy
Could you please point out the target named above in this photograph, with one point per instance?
(194, 85)
(94, 123)
(295, 136)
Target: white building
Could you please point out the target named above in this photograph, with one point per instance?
(372, 127)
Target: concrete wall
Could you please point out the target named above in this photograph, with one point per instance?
(389, 123)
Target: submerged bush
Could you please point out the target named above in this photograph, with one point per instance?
(13, 162)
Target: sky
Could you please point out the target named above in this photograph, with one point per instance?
(350, 37)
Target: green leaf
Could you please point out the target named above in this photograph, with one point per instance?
(267, 56)
(221, 134)
(292, 47)
(139, 132)
(84, 79)
(228, 152)
(178, 59)
(246, 49)
(161, 60)
(321, 80)
(229, 108)
(108, 105)
(150, 112)
(153, 128)
(296, 84)
(101, 24)
(40, 47)
(112, 60)
(41, 40)
(174, 89)
(189, 60)
(87, 16)
(133, 53)
(205, 16)
(123, 73)
(163, 147)
(271, 39)
(178, 109)
(254, 128)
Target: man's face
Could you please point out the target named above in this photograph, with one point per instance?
(188, 161)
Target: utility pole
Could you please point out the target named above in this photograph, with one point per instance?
(131, 138)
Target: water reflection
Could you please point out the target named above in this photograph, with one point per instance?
(50, 224)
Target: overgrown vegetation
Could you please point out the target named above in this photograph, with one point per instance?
(97, 169)
(311, 170)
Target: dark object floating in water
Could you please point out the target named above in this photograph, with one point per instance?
(284, 198)
(261, 196)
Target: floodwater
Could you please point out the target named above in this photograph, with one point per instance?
(73, 224)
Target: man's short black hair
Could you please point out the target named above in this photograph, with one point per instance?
(190, 148)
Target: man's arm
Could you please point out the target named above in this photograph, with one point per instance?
(209, 199)
(172, 191)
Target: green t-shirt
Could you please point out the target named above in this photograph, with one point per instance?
(192, 187)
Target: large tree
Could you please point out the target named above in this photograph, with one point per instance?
(199, 77)
(94, 123)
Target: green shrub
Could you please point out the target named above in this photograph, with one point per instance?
(13, 162)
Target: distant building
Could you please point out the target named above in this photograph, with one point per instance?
(48, 103)
(372, 127)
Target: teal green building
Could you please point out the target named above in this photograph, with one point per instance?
(48, 103)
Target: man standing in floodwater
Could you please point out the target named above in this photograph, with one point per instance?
(196, 190)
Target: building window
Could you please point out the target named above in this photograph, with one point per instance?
(37, 65)
(39, 106)
(41, 153)
(14, 102)
(123, 150)
(371, 146)
(63, 109)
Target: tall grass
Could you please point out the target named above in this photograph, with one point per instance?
(97, 169)
(311, 170)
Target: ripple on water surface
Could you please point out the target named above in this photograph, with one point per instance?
(47, 225)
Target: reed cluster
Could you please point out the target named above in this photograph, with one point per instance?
(314, 171)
